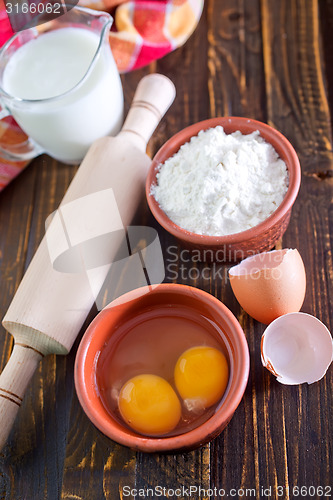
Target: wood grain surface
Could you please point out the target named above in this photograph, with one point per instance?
(265, 59)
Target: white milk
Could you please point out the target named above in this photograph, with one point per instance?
(52, 65)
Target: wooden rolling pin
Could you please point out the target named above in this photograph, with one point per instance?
(57, 293)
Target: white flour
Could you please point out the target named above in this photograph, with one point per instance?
(220, 184)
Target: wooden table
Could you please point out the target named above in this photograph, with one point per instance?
(269, 60)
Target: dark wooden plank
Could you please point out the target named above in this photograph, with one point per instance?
(326, 27)
(38, 462)
(299, 441)
(236, 79)
(17, 198)
(296, 98)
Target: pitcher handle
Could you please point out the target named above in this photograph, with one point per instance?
(23, 151)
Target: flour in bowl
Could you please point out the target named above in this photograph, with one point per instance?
(219, 184)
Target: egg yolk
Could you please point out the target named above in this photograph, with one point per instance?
(201, 377)
(149, 405)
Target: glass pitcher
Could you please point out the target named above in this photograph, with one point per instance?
(67, 120)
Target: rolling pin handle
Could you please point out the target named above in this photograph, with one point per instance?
(154, 95)
(13, 382)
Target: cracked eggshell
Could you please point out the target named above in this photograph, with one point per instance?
(270, 284)
(297, 348)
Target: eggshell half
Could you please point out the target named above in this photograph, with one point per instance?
(270, 284)
(297, 348)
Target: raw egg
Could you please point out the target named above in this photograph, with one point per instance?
(270, 284)
(201, 377)
(149, 405)
(297, 348)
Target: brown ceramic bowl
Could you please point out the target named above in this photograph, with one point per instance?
(103, 330)
(243, 244)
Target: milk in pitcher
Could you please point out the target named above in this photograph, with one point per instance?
(76, 97)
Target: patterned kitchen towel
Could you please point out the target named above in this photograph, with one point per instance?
(143, 31)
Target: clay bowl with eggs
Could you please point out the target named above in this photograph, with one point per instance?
(259, 238)
(144, 332)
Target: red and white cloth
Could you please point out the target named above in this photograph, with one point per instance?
(143, 31)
